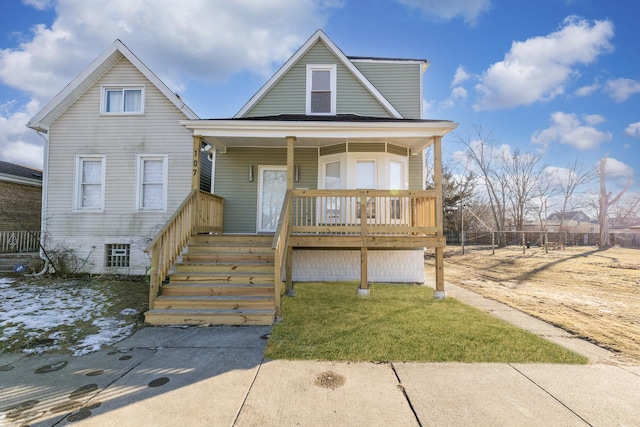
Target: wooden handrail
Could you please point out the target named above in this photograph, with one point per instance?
(279, 245)
(364, 212)
(199, 212)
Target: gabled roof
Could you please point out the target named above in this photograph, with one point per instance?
(568, 215)
(318, 35)
(90, 75)
(10, 172)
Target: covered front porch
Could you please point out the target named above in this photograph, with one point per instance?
(362, 220)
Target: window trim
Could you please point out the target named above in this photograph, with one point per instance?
(332, 68)
(103, 99)
(77, 185)
(140, 159)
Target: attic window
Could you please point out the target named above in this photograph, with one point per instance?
(321, 89)
(123, 100)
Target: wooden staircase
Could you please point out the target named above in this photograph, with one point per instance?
(222, 280)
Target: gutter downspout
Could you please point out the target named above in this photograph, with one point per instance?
(43, 222)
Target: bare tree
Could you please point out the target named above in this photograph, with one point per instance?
(576, 175)
(606, 201)
(626, 210)
(486, 161)
(522, 173)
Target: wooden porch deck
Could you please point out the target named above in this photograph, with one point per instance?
(224, 279)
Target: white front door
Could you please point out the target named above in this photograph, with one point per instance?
(272, 188)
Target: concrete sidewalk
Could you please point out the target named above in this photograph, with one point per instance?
(217, 376)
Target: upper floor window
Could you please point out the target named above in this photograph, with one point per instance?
(321, 89)
(151, 188)
(123, 100)
(89, 182)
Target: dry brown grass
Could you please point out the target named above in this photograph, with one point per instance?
(592, 293)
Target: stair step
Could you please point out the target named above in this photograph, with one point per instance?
(230, 239)
(192, 267)
(228, 258)
(196, 249)
(210, 317)
(217, 289)
(233, 302)
(222, 278)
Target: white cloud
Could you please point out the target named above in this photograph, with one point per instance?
(616, 168)
(447, 10)
(459, 92)
(633, 130)
(460, 76)
(539, 68)
(587, 90)
(39, 4)
(593, 119)
(568, 129)
(621, 89)
(19, 144)
(193, 39)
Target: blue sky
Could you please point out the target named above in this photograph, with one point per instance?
(560, 78)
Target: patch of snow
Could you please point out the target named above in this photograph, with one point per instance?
(34, 310)
(129, 312)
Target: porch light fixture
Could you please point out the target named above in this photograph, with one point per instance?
(296, 175)
(250, 173)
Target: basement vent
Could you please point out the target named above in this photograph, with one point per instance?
(117, 255)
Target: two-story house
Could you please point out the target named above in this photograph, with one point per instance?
(320, 176)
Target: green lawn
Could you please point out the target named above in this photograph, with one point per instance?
(328, 321)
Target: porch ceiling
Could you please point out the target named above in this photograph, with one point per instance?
(221, 134)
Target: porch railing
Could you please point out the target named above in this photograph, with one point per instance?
(363, 212)
(200, 212)
(19, 241)
(280, 247)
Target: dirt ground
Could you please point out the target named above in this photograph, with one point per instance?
(592, 293)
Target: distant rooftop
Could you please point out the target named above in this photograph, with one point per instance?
(8, 170)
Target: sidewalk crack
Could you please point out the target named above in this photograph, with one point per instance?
(551, 395)
(406, 395)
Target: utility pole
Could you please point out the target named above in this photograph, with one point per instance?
(462, 227)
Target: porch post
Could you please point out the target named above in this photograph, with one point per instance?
(195, 163)
(195, 184)
(363, 290)
(437, 179)
(289, 250)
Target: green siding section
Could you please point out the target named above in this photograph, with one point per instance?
(288, 96)
(398, 82)
(416, 171)
(240, 195)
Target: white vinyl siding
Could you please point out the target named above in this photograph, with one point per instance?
(151, 182)
(122, 99)
(120, 138)
(89, 183)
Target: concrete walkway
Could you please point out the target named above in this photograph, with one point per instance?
(217, 376)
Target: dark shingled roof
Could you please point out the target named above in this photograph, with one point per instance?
(331, 118)
(21, 171)
(375, 58)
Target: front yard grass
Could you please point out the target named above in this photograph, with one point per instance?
(328, 321)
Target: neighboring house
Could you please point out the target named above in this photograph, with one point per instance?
(319, 177)
(117, 163)
(20, 197)
(572, 222)
(20, 207)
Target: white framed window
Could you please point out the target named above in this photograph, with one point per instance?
(123, 99)
(151, 181)
(89, 182)
(321, 89)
